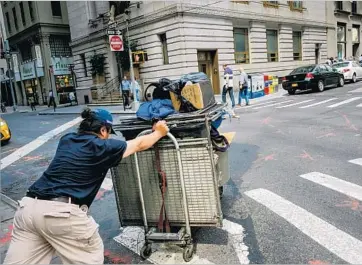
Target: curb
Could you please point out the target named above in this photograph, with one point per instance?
(8, 201)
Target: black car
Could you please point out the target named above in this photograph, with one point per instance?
(315, 77)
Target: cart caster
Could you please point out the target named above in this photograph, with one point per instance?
(146, 251)
(188, 252)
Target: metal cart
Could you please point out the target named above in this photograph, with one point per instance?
(178, 176)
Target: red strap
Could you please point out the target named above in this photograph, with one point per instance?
(163, 186)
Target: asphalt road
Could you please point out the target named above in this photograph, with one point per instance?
(278, 202)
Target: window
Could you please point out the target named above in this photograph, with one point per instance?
(241, 43)
(82, 57)
(240, 2)
(355, 33)
(8, 21)
(164, 48)
(341, 41)
(341, 65)
(354, 7)
(329, 69)
(322, 68)
(22, 13)
(56, 10)
(59, 46)
(303, 70)
(339, 5)
(15, 19)
(31, 10)
(274, 4)
(272, 45)
(297, 45)
(296, 5)
(355, 65)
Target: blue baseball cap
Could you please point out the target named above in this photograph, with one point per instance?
(105, 117)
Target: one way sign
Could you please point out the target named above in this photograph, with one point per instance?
(114, 32)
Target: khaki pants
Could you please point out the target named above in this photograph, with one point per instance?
(43, 228)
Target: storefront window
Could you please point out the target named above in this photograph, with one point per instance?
(64, 85)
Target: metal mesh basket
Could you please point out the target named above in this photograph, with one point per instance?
(200, 183)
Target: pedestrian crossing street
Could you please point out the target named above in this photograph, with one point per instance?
(329, 103)
(330, 237)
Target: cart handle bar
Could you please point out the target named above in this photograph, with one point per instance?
(169, 135)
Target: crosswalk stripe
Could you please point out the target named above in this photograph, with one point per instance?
(357, 161)
(342, 186)
(318, 103)
(275, 104)
(260, 104)
(336, 241)
(358, 90)
(295, 104)
(344, 102)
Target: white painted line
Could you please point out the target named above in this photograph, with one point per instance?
(275, 104)
(358, 90)
(336, 184)
(318, 103)
(359, 105)
(237, 234)
(259, 104)
(295, 104)
(132, 237)
(26, 149)
(336, 241)
(357, 161)
(343, 102)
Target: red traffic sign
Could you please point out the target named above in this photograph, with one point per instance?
(116, 43)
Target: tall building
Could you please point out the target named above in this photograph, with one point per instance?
(344, 34)
(5, 93)
(39, 32)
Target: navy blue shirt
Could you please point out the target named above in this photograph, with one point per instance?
(79, 167)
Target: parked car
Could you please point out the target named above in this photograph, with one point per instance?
(316, 77)
(351, 70)
(4, 131)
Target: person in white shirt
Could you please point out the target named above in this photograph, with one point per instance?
(243, 86)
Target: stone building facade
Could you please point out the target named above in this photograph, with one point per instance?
(39, 32)
(187, 36)
(344, 35)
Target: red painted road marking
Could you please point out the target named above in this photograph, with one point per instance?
(7, 237)
(326, 135)
(316, 262)
(265, 158)
(306, 155)
(30, 158)
(117, 259)
(352, 204)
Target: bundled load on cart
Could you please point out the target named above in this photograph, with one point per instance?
(177, 183)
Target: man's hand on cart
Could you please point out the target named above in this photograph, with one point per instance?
(160, 129)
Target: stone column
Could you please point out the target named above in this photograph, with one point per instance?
(46, 53)
(257, 40)
(285, 43)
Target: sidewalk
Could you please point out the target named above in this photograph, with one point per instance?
(7, 211)
(26, 109)
(76, 110)
(118, 109)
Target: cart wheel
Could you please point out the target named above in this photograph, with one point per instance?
(188, 252)
(146, 251)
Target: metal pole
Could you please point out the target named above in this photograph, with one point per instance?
(11, 82)
(135, 104)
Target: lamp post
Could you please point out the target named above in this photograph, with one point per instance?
(135, 104)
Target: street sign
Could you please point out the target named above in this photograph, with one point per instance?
(114, 32)
(116, 43)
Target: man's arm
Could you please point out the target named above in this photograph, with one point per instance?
(147, 141)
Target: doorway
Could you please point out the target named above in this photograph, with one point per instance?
(209, 64)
